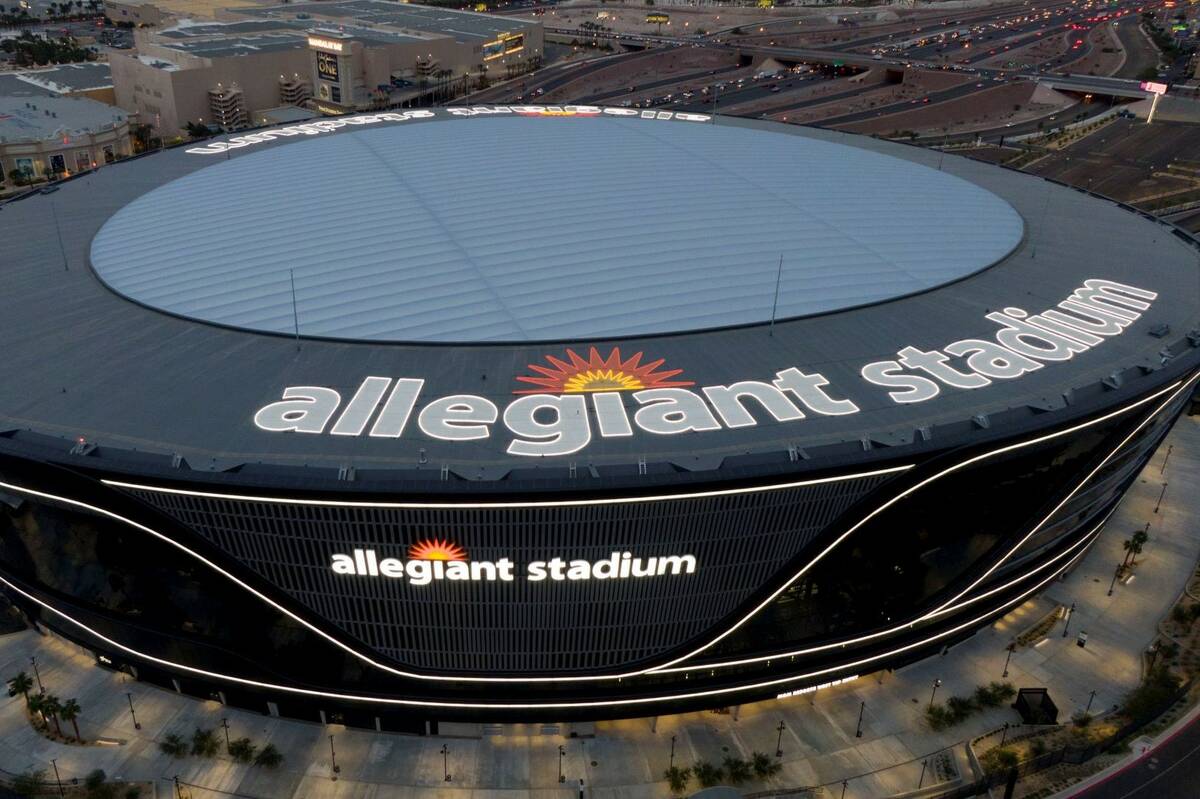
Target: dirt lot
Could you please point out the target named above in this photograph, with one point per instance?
(1128, 160)
(985, 109)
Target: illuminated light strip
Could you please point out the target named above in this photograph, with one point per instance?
(1065, 499)
(335, 503)
(1086, 537)
(528, 706)
(1177, 386)
(582, 678)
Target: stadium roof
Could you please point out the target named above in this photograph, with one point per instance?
(669, 229)
(144, 386)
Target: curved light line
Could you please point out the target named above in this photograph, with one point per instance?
(338, 503)
(1067, 498)
(881, 633)
(581, 678)
(943, 608)
(526, 705)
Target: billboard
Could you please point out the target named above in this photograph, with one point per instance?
(327, 67)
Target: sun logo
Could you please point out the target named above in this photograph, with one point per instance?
(436, 549)
(598, 374)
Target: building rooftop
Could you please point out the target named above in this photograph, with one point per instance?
(36, 118)
(57, 80)
(462, 25)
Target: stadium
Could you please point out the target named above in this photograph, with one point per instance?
(535, 412)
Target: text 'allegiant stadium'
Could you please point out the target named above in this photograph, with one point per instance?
(549, 424)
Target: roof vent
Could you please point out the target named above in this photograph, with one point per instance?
(1160, 330)
(981, 420)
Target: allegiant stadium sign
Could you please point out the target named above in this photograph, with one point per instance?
(569, 401)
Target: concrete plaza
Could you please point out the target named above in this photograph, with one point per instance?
(626, 759)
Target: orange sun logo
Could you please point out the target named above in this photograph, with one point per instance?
(436, 549)
(598, 374)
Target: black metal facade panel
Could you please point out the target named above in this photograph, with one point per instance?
(739, 541)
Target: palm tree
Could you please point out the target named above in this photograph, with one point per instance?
(736, 770)
(678, 779)
(1139, 538)
(21, 684)
(37, 704)
(52, 706)
(70, 712)
(764, 766)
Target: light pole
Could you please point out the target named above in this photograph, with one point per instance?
(672, 763)
(561, 752)
(861, 709)
(1113, 584)
(1004, 735)
(1091, 698)
(333, 758)
(844, 783)
(132, 715)
(1166, 458)
(921, 781)
(41, 688)
(225, 724)
(57, 778)
(1011, 646)
(1067, 623)
(445, 763)
(779, 740)
(1161, 494)
(936, 685)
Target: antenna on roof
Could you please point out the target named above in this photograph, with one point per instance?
(58, 232)
(295, 313)
(775, 304)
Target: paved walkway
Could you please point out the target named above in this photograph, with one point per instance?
(625, 759)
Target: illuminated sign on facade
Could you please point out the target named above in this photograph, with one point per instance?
(506, 44)
(330, 125)
(419, 570)
(660, 19)
(325, 44)
(576, 399)
(327, 67)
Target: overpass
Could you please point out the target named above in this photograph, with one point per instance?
(1091, 84)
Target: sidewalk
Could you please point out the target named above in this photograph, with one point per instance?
(626, 759)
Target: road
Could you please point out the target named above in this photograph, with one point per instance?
(1172, 771)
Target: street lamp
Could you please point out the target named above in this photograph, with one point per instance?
(936, 685)
(41, 688)
(862, 709)
(1011, 647)
(132, 715)
(1091, 698)
(779, 740)
(672, 763)
(225, 724)
(57, 778)
(1067, 624)
(561, 752)
(333, 758)
(844, 782)
(445, 763)
(1113, 584)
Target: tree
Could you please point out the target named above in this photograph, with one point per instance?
(173, 745)
(242, 750)
(37, 705)
(764, 766)
(205, 743)
(677, 778)
(268, 757)
(1139, 539)
(20, 684)
(70, 712)
(737, 770)
(707, 774)
(52, 706)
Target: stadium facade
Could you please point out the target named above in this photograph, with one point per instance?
(537, 412)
